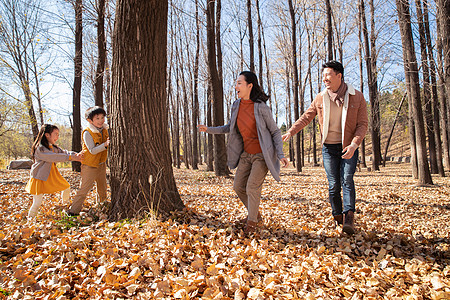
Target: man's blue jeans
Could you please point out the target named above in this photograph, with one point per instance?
(340, 174)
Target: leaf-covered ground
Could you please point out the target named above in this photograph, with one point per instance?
(401, 249)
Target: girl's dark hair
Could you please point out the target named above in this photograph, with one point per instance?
(42, 139)
(256, 94)
(91, 112)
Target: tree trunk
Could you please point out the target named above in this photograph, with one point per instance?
(141, 171)
(443, 98)
(250, 35)
(78, 60)
(392, 129)
(298, 159)
(195, 106)
(210, 150)
(361, 78)
(427, 90)
(434, 93)
(373, 93)
(411, 70)
(260, 51)
(220, 157)
(329, 30)
(101, 46)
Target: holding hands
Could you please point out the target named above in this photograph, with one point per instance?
(78, 156)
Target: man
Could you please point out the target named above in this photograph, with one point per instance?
(343, 123)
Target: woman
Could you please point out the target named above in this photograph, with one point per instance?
(254, 145)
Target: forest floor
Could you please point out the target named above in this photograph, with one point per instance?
(401, 249)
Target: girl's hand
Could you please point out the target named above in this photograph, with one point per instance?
(285, 137)
(284, 162)
(202, 128)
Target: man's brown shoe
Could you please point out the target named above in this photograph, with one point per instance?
(348, 223)
(243, 221)
(250, 227)
(339, 219)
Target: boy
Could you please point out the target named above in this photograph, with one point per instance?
(93, 167)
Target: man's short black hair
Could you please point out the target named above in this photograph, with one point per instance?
(335, 65)
(91, 112)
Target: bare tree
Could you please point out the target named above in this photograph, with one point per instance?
(443, 61)
(250, 35)
(19, 30)
(101, 48)
(370, 54)
(78, 69)
(220, 159)
(411, 71)
(294, 67)
(195, 105)
(434, 93)
(141, 173)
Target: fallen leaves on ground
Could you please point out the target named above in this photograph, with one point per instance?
(400, 250)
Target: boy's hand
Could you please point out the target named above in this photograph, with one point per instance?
(107, 143)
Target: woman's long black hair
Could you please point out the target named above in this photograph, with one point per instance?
(42, 139)
(256, 94)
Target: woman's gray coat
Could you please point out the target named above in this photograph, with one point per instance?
(268, 133)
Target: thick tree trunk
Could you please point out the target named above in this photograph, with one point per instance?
(78, 61)
(411, 71)
(141, 171)
(294, 67)
(101, 46)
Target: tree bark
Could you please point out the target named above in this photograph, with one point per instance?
(101, 48)
(373, 91)
(141, 172)
(260, 51)
(392, 129)
(250, 35)
(411, 70)
(220, 158)
(443, 98)
(329, 30)
(195, 105)
(434, 93)
(78, 61)
(361, 78)
(427, 90)
(298, 159)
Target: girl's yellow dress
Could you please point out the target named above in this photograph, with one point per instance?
(55, 183)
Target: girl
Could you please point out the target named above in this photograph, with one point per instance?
(254, 145)
(45, 178)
